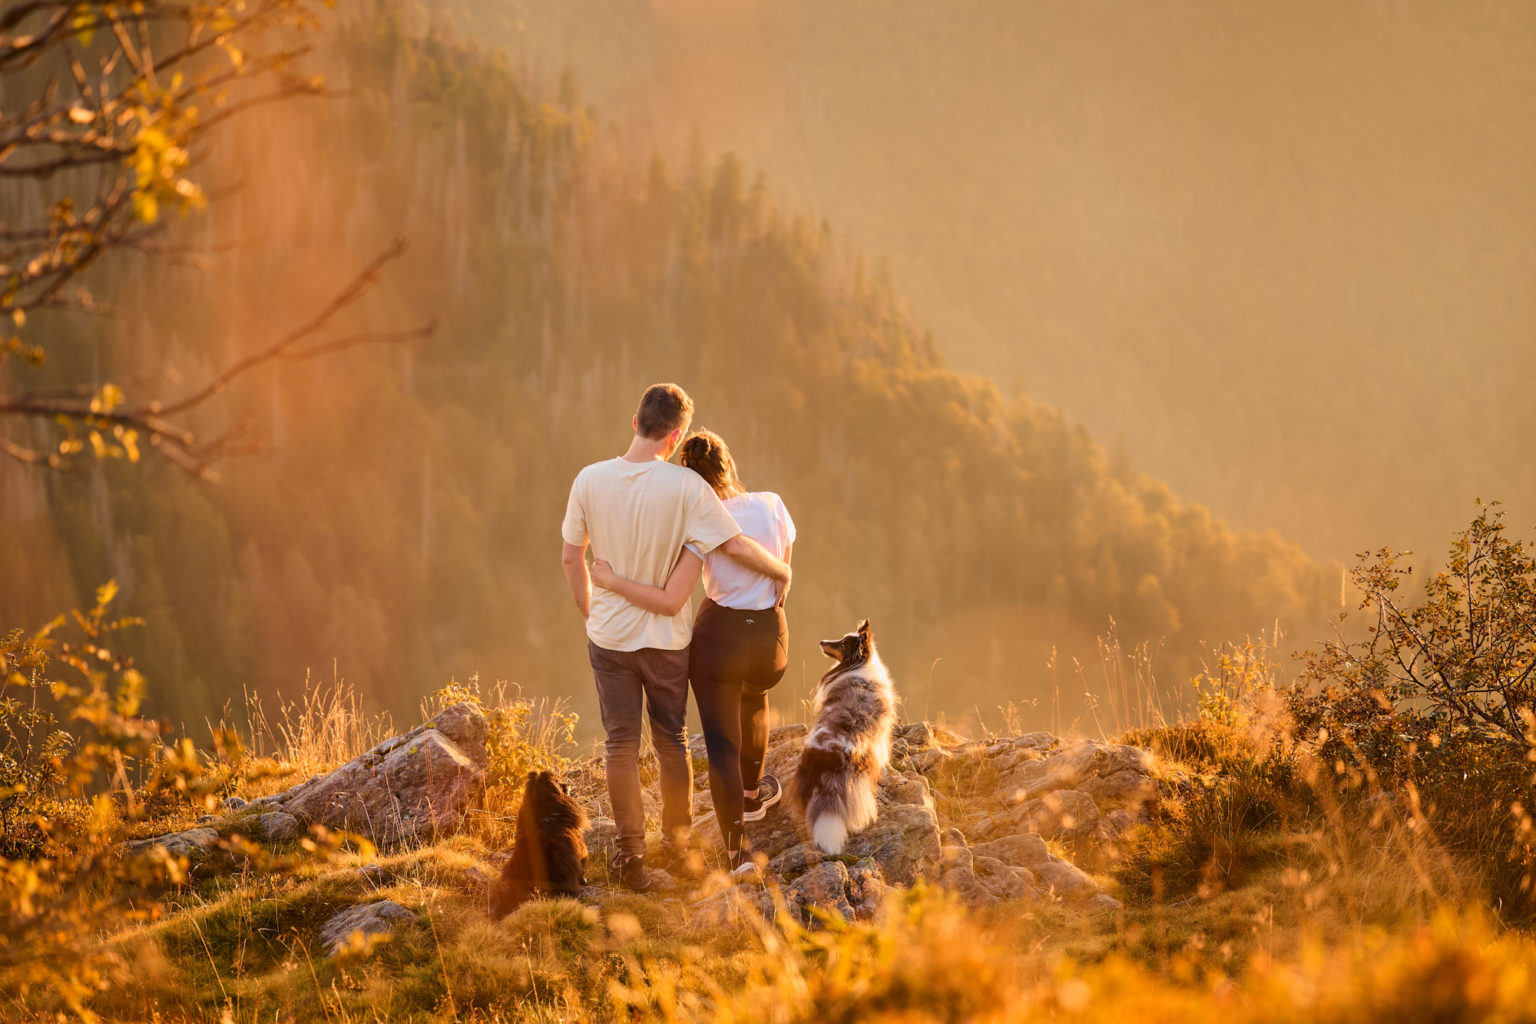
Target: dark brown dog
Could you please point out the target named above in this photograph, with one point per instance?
(550, 852)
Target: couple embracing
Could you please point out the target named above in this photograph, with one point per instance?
(654, 528)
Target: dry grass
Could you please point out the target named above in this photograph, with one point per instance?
(1264, 890)
(326, 726)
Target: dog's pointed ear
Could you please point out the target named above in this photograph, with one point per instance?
(532, 776)
(864, 629)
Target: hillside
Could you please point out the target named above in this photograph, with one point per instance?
(399, 520)
(1281, 252)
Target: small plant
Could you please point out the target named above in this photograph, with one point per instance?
(522, 736)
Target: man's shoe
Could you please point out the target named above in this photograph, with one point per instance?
(681, 860)
(630, 871)
(768, 793)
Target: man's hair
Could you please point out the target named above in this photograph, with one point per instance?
(663, 409)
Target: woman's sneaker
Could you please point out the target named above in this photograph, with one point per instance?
(630, 871)
(768, 793)
(743, 864)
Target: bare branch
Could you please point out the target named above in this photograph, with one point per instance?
(350, 294)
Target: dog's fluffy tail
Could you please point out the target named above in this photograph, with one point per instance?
(836, 797)
(830, 832)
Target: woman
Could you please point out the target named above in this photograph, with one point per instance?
(740, 640)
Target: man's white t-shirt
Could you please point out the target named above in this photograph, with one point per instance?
(639, 516)
(762, 516)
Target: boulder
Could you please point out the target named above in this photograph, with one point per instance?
(1103, 903)
(823, 887)
(465, 725)
(925, 735)
(866, 889)
(1026, 851)
(896, 788)
(1003, 881)
(962, 881)
(1065, 880)
(408, 788)
(269, 827)
(904, 841)
(795, 860)
(193, 844)
(602, 841)
(1063, 814)
(378, 918)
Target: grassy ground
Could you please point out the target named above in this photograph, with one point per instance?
(1261, 889)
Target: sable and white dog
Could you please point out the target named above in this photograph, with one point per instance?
(850, 742)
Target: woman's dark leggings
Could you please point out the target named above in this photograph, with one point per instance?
(735, 659)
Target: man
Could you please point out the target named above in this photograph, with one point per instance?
(638, 511)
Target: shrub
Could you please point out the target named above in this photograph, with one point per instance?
(1436, 702)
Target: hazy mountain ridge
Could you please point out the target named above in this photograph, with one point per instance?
(404, 521)
(1284, 251)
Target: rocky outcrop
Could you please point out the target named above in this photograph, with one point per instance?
(409, 788)
(989, 820)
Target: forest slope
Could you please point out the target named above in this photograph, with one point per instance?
(1281, 252)
(402, 519)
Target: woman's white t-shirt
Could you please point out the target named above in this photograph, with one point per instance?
(763, 517)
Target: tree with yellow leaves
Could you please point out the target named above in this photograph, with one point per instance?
(107, 110)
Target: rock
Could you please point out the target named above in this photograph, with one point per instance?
(1003, 881)
(782, 758)
(930, 759)
(410, 787)
(234, 803)
(1079, 791)
(906, 789)
(732, 905)
(1103, 902)
(602, 840)
(1025, 851)
(962, 881)
(378, 918)
(922, 735)
(465, 725)
(823, 887)
(1064, 814)
(270, 827)
(1065, 880)
(661, 881)
(1123, 787)
(953, 850)
(193, 844)
(904, 841)
(866, 889)
(1118, 822)
(781, 828)
(796, 860)
(375, 875)
(1113, 773)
